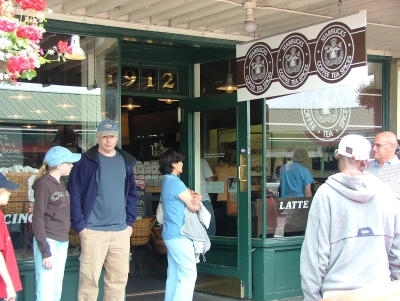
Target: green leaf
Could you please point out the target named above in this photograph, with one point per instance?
(28, 74)
(43, 60)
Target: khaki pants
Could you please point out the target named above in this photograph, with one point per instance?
(112, 250)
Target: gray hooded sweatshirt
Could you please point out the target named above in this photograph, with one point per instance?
(352, 238)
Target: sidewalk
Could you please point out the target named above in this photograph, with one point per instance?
(159, 296)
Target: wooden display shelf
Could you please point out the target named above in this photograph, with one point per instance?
(153, 189)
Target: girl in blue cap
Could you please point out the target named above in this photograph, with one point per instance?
(51, 222)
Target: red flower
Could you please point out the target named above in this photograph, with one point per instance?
(30, 32)
(18, 64)
(8, 25)
(38, 5)
(63, 47)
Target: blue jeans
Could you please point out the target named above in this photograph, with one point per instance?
(211, 229)
(49, 282)
(182, 272)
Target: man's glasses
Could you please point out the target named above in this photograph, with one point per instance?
(378, 146)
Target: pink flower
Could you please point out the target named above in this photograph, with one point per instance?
(63, 47)
(38, 5)
(30, 32)
(18, 64)
(8, 25)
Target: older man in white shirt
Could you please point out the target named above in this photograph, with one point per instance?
(385, 165)
(384, 151)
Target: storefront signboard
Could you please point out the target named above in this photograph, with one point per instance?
(320, 56)
(141, 204)
(11, 152)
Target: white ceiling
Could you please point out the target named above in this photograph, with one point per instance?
(223, 19)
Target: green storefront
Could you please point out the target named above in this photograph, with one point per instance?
(250, 255)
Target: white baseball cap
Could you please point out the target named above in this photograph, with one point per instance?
(355, 147)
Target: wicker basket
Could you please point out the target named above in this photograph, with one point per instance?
(22, 179)
(74, 239)
(158, 241)
(18, 201)
(141, 231)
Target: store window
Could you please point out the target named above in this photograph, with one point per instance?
(302, 132)
(61, 106)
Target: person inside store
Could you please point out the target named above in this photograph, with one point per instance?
(352, 238)
(103, 196)
(222, 172)
(295, 182)
(182, 272)
(386, 164)
(67, 137)
(10, 282)
(276, 174)
(51, 222)
(207, 176)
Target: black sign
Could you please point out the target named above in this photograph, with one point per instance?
(141, 204)
(11, 152)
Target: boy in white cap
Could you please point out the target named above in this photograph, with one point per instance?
(10, 282)
(353, 231)
(51, 222)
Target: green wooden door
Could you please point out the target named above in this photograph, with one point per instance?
(216, 129)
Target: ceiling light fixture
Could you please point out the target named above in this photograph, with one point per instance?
(250, 23)
(28, 126)
(131, 105)
(72, 117)
(39, 111)
(15, 116)
(65, 106)
(168, 101)
(77, 52)
(229, 86)
(20, 97)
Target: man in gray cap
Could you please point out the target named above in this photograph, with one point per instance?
(103, 208)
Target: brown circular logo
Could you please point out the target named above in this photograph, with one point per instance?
(258, 66)
(334, 52)
(293, 61)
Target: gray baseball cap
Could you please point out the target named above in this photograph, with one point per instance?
(107, 128)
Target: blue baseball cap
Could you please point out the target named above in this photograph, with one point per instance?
(107, 128)
(58, 154)
(6, 183)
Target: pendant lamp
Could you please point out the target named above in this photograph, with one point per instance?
(168, 101)
(77, 52)
(229, 86)
(131, 105)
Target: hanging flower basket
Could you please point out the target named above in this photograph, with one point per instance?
(20, 52)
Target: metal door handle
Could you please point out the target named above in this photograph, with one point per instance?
(240, 179)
